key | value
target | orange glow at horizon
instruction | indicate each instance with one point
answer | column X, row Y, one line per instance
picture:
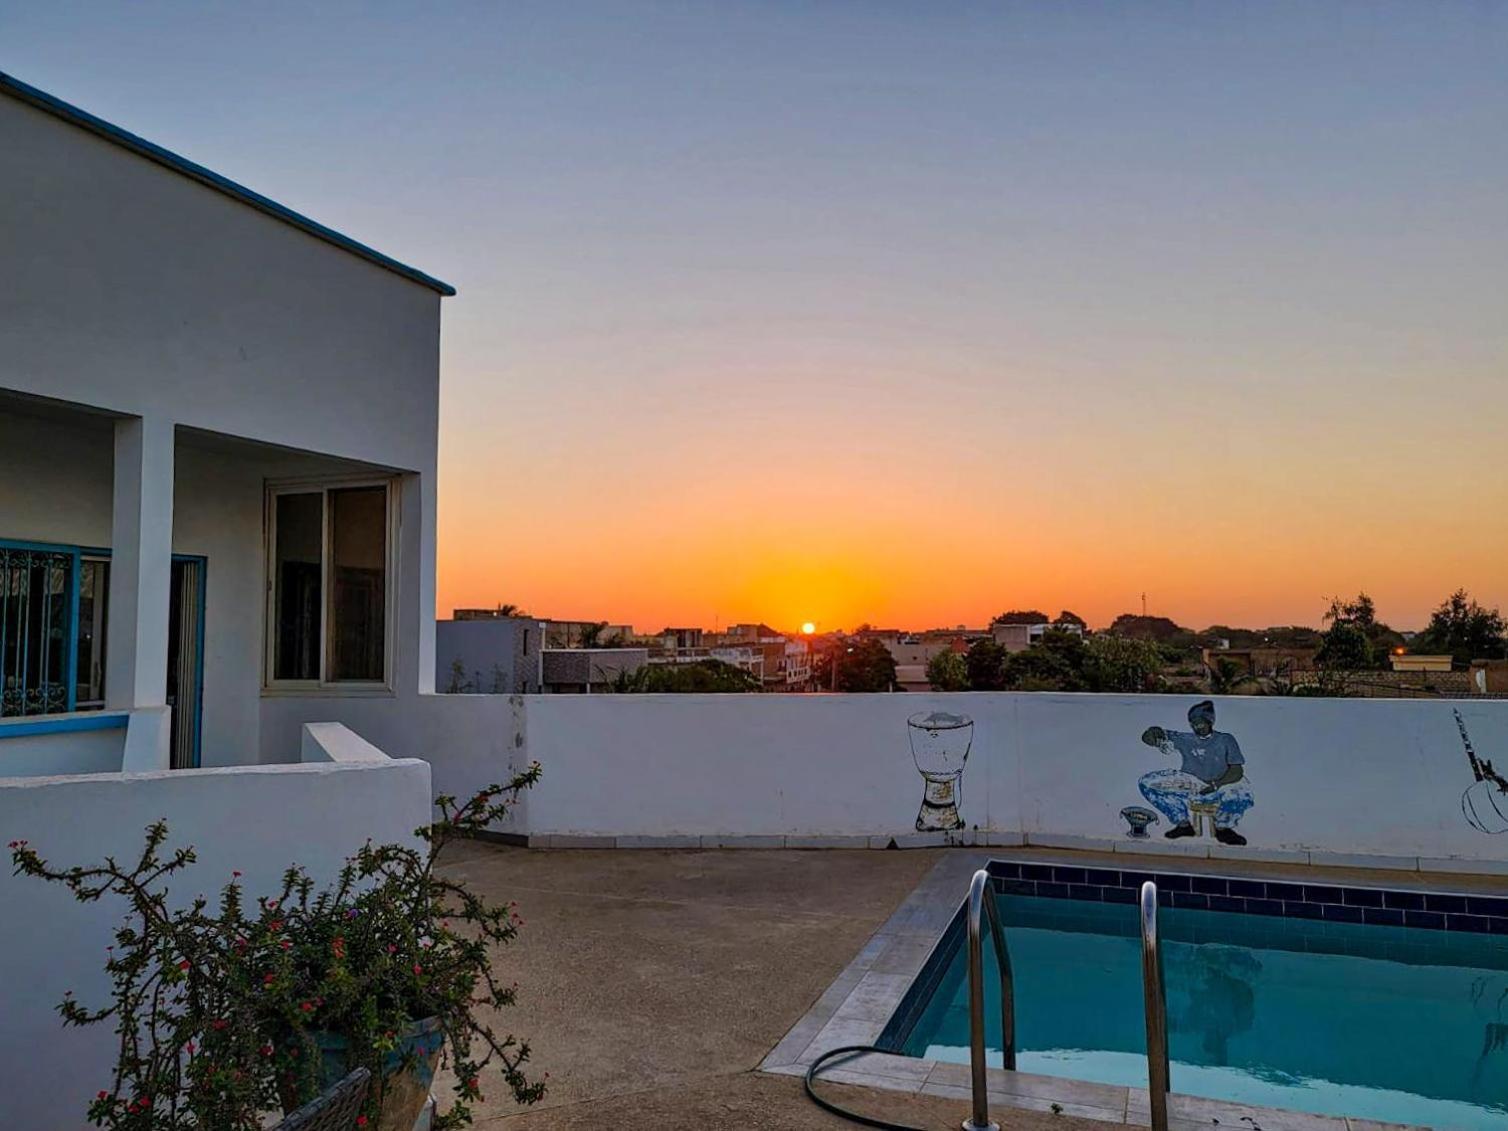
column 861, row 534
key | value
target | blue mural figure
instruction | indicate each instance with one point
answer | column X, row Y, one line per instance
column 1211, row 782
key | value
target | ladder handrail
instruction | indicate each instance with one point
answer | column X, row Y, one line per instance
column 981, row 906
column 1155, row 1004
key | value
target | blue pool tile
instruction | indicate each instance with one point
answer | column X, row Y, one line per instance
column 1208, row 885
column 1405, row 900
column 1447, row 903
column 1477, row 923
column 1104, row 877
column 1250, row 889
column 1336, row 913
column 1087, row 892
column 1362, row 897
column 1432, row 920
column 1263, row 906
column 1068, row 875
column 1383, row 916
column 1486, row 905
column 1005, row 870
column 1127, row 895
column 1498, row 925
column 1018, row 887
column 1188, row 900
column 1227, row 903
column 1302, row 909
column 1285, row 891
column 1036, row 871
column 1052, row 891
column 1318, row 893
column 1169, row 883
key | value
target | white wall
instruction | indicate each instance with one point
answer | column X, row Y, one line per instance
column 1375, row 777
column 256, row 820
column 132, row 288
column 53, row 753
column 470, row 740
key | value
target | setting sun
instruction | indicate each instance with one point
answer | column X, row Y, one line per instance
column 808, row 628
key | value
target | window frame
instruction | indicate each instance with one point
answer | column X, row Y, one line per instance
column 322, row 486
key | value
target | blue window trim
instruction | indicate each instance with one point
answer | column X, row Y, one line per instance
column 54, row 724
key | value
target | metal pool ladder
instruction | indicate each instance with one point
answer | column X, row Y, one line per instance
column 1155, row 1004
column 981, row 906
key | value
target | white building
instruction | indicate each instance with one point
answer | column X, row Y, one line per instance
column 217, row 452
column 217, row 490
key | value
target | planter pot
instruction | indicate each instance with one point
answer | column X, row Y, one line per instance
column 407, row 1071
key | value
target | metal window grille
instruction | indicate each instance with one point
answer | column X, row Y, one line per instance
column 35, row 628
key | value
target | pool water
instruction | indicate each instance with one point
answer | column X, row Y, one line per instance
column 1390, row 1023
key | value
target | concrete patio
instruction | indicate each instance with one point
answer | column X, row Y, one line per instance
column 653, row 983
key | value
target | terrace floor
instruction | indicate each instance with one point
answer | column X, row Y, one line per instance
column 652, row 983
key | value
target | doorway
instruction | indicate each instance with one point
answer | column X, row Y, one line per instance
column 186, row 658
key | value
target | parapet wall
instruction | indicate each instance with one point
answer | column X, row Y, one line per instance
column 1367, row 782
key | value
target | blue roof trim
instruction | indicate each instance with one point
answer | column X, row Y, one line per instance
column 13, row 86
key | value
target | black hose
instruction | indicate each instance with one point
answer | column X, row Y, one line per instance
column 843, row 1112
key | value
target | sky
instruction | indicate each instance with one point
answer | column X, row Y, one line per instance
column 906, row 313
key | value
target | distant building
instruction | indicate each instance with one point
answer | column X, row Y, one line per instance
column 786, row 661
column 745, row 657
column 1409, row 662
column 674, row 639
column 577, row 671
column 1020, row 637
column 496, row 655
column 1262, row 662
column 1489, row 677
column 574, row 633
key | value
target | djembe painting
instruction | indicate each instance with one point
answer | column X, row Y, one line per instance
column 940, row 744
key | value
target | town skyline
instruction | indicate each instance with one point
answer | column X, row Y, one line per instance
column 1057, row 615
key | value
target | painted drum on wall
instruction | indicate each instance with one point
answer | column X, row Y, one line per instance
column 940, row 742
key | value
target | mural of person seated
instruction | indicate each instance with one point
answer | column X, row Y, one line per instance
column 1212, row 775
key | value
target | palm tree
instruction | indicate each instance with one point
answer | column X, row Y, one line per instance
column 1226, row 676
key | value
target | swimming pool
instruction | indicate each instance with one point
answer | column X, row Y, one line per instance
column 1287, row 1007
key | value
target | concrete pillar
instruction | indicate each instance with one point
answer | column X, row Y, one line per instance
column 415, row 670
column 141, row 560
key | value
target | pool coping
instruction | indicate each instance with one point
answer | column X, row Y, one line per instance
column 860, row 1003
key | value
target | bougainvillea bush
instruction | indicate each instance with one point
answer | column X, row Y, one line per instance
column 222, row 1007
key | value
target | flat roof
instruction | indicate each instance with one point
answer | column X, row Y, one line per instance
column 40, row 99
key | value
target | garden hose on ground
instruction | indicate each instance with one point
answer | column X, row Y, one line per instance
column 843, row 1112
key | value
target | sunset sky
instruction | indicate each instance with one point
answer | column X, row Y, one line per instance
column 906, row 313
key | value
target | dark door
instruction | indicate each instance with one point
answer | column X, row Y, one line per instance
column 185, row 667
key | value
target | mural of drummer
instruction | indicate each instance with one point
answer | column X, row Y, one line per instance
column 1211, row 778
